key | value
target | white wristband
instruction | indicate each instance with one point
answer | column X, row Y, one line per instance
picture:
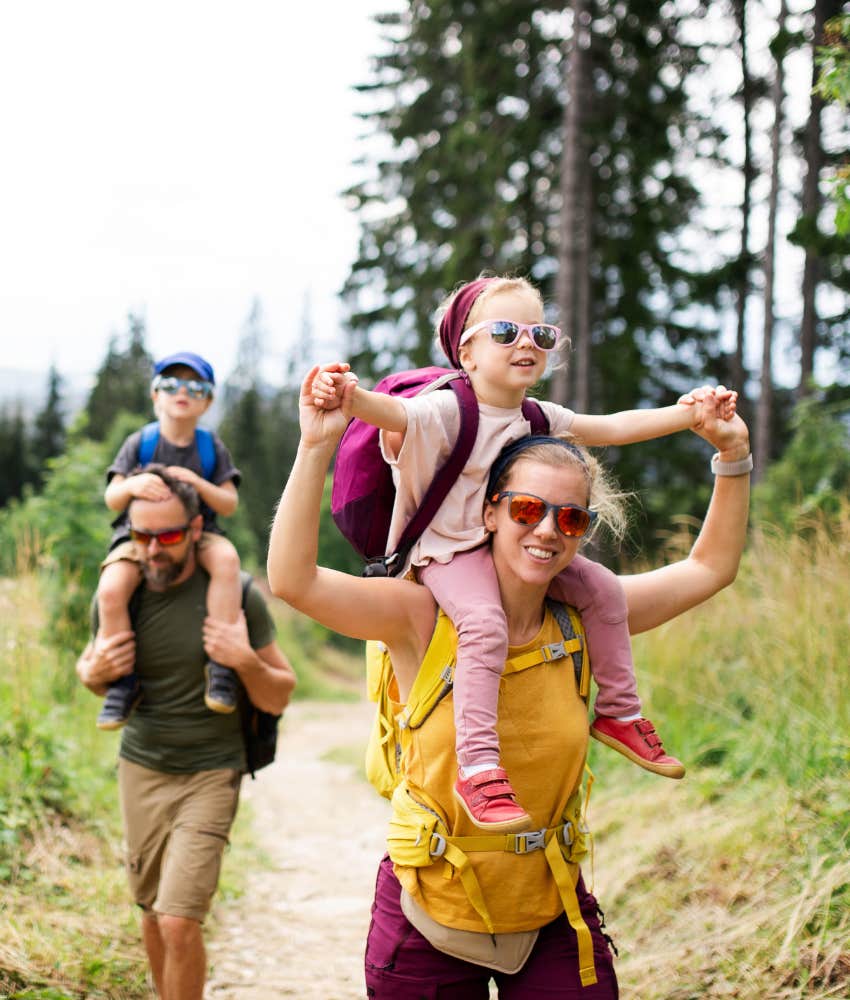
column 739, row 468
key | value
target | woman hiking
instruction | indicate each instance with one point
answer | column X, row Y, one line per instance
column 452, row 909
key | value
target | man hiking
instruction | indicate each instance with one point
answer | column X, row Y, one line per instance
column 180, row 765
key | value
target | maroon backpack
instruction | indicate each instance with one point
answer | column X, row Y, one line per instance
column 363, row 492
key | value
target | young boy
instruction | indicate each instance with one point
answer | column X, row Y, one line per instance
column 181, row 391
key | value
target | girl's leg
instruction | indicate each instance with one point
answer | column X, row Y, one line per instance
column 597, row 594
column 220, row 560
column 467, row 590
column 400, row 962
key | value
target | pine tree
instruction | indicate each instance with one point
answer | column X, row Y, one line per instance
column 122, row 381
column 48, row 438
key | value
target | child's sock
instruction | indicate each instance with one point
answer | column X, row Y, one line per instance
column 473, row 769
column 628, row 718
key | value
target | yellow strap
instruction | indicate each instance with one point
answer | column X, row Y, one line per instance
column 526, row 660
column 512, row 843
column 470, row 883
column 566, row 888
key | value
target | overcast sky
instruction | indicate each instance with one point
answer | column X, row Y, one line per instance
column 175, row 159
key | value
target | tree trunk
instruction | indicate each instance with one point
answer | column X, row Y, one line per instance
column 810, row 208
column 573, row 251
column 764, row 412
column 742, row 290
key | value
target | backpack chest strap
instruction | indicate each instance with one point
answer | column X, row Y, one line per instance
column 551, row 651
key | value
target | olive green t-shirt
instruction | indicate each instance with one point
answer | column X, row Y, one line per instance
column 171, row 729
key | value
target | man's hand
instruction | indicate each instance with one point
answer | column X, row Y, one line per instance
column 106, row 659
column 227, row 643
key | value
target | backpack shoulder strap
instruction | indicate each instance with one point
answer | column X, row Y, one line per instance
column 570, row 626
column 447, row 475
column 205, row 443
column 148, row 442
column 533, row 413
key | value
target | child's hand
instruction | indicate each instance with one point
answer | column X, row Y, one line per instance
column 147, row 486
column 185, row 475
column 723, row 401
column 329, row 383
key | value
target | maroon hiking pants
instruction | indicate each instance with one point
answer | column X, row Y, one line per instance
column 402, row 965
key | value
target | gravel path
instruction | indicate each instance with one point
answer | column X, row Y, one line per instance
column 300, row 928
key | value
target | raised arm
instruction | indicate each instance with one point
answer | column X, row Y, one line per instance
column 712, row 564
column 630, row 426
column 399, row 612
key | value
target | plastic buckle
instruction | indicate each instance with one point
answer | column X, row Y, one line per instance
column 567, row 835
column 440, row 849
column 553, row 651
column 533, row 840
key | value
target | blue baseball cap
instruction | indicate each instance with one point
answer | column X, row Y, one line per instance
column 190, row 360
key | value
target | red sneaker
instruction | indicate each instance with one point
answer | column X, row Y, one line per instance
column 637, row 740
column 489, row 801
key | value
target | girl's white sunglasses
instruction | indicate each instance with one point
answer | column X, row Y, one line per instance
column 505, row 333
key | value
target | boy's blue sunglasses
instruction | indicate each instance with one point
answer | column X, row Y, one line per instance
column 196, row 388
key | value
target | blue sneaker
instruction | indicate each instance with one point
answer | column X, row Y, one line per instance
column 222, row 689
column 121, row 698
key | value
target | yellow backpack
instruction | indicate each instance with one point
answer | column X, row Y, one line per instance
column 386, row 745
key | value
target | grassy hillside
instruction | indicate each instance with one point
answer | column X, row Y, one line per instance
column 732, row 883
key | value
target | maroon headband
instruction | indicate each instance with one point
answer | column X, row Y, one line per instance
column 452, row 324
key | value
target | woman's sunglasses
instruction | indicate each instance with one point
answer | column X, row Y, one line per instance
column 505, row 332
column 527, row 509
column 171, row 536
column 196, row 388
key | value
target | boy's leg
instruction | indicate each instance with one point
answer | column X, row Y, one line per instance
column 119, row 577
column 598, row 595
column 467, row 590
column 220, row 560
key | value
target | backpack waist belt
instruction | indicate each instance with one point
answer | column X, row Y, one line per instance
column 568, row 837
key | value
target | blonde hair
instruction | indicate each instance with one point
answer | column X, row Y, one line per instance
column 603, row 494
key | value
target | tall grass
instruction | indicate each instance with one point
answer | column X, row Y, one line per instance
column 755, row 681
column 736, row 881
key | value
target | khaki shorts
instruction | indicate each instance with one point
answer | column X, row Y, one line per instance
column 128, row 552
column 176, row 827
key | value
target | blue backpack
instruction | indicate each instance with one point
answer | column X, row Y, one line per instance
column 204, row 442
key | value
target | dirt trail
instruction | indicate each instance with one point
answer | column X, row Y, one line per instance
column 300, row 928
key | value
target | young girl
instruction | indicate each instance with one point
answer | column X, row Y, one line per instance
column 493, row 328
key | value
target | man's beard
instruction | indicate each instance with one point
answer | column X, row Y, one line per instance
column 160, row 575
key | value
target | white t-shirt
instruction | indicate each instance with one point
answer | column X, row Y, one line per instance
column 433, row 425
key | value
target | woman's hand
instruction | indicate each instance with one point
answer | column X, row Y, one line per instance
column 320, row 426
column 730, row 436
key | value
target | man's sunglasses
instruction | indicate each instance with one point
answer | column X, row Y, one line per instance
column 196, row 388
column 171, row 536
column 527, row 509
column 505, row 332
